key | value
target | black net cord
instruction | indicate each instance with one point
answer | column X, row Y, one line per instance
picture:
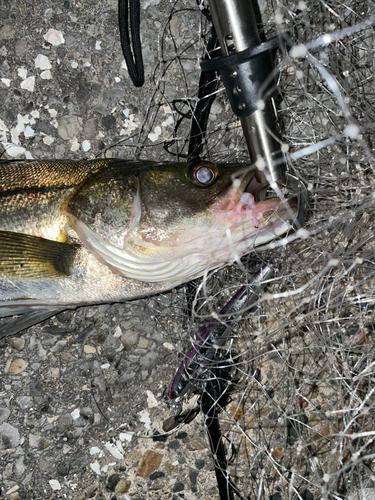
column 206, row 95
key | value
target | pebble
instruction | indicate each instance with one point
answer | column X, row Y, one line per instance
column 48, row 140
column 114, row 451
column 143, row 343
column 46, row 75
column 150, row 462
column 14, row 151
column 86, row 412
column 178, row 487
column 111, row 342
column 34, row 440
column 126, row 436
column 156, row 475
column 19, row 466
column 43, row 443
column 159, row 437
column 67, row 357
column 148, row 360
column 75, row 413
column 89, row 349
column 197, row 444
column 28, row 84
column 44, row 127
column 42, row 62
column 4, row 414
column 22, row 72
column 8, row 474
column 108, row 121
column 54, row 37
column 7, row 32
column 9, row 436
column 14, row 496
column 193, row 474
column 129, row 339
column 36, row 388
column 91, row 130
column 63, row 469
column 237, row 411
column 17, row 343
column 174, row 445
column 24, row 402
column 199, row 463
column 69, row 126
column 12, row 490
column 277, row 451
column 112, row 482
column 168, row 346
column 55, row 485
column 152, row 402
column 64, row 422
column 275, row 496
column 96, row 467
column 123, row 486
column 17, row 366
column 59, row 346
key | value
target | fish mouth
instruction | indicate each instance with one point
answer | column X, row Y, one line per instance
column 231, row 193
column 238, row 202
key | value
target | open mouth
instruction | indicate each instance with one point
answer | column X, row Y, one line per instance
column 252, row 199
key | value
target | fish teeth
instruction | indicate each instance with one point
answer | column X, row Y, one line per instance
column 246, row 204
column 248, row 199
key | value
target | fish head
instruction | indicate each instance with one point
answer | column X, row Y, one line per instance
column 178, row 220
column 181, row 200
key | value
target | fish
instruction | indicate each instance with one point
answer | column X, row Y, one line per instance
column 83, row 232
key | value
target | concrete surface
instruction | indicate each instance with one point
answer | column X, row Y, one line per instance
column 81, row 400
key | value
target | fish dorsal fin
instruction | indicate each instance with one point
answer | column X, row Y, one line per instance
column 46, row 173
column 23, row 256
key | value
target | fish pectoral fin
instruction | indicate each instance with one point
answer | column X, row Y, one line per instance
column 23, row 256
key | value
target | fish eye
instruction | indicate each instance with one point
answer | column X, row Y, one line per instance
column 202, row 174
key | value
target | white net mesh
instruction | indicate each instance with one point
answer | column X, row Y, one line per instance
column 301, row 420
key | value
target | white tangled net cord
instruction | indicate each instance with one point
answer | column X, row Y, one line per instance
column 301, row 423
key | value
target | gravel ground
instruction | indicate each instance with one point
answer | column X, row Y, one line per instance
column 81, row 395
column 81, row 406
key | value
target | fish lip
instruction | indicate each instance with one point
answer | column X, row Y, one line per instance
column 233, row 190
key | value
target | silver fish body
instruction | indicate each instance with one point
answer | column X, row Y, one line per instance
column 85, row 232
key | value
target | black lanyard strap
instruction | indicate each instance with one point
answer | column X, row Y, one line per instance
column 134, row 60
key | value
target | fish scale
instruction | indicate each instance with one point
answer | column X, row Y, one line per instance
column 18, row 175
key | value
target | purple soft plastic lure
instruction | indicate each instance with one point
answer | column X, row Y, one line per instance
column 214, row 336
